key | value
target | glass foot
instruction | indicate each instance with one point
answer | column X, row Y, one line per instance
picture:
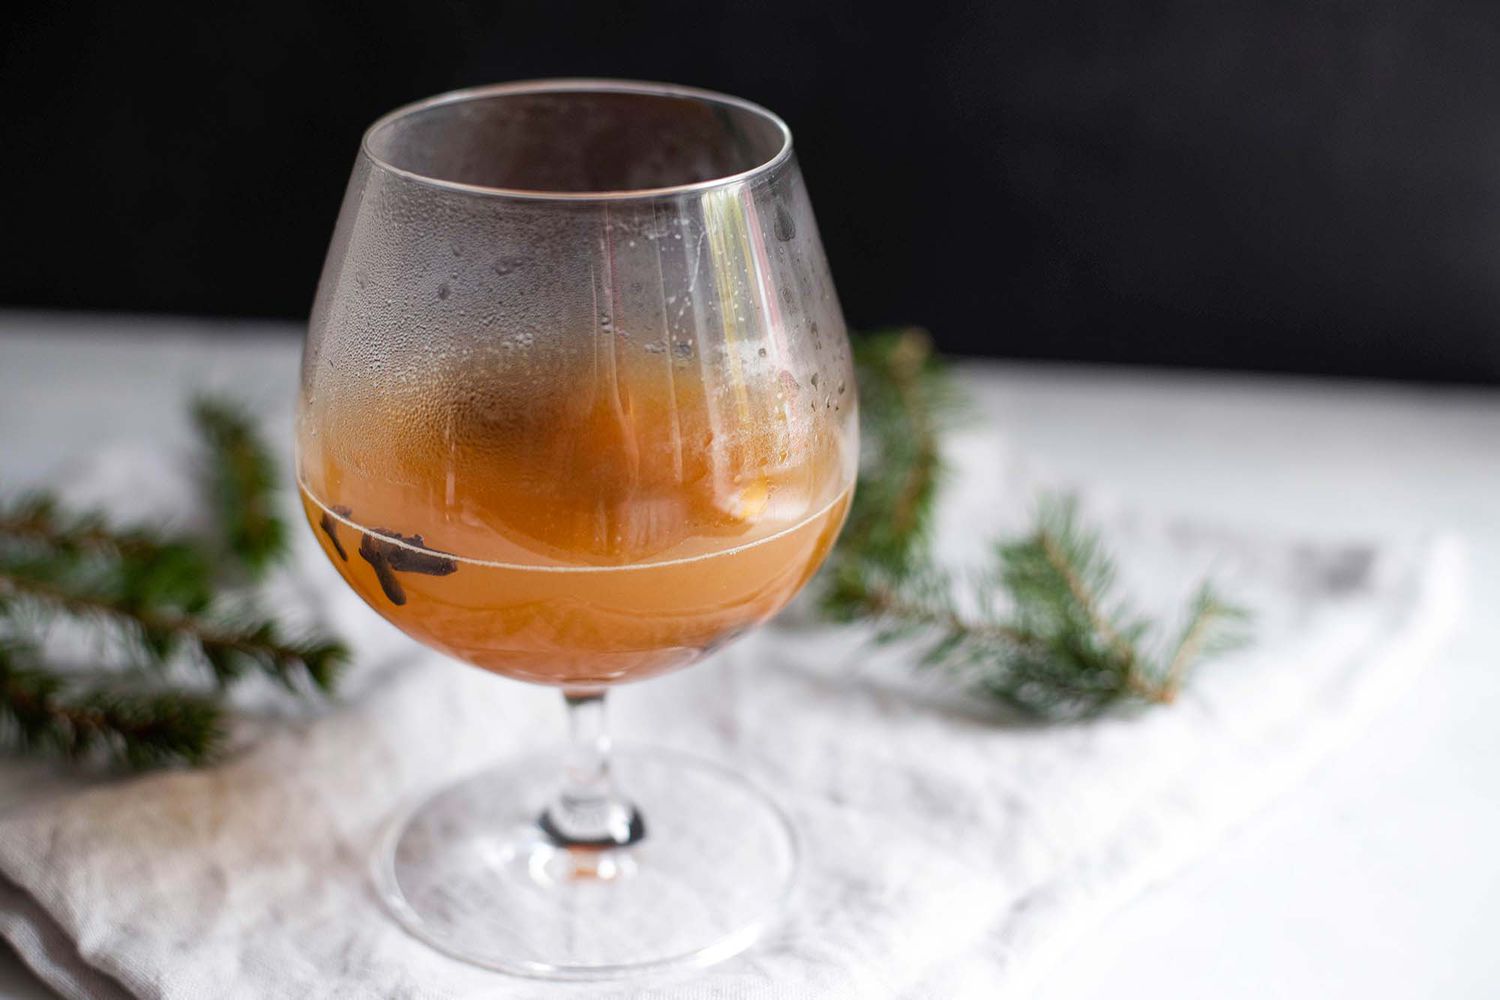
column 475, row 872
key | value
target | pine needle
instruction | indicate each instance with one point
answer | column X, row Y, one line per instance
column 229, row 647
column 241, row 484
column 158, row 600
column 906, row 401
column 44, row 712
column 1052, row 637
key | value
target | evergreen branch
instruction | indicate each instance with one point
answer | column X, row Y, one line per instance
column 905, row 400
column 228, row 649
column 1064, row 562
column 41, row 711
column 1059, row 577
column 1043, row 641
column 898, row 607
column 241, row 483
column 37, row 518
column 906, row 363
column 1051, row 637
column 159, row 598
column 1213, row 626
column 133, row 568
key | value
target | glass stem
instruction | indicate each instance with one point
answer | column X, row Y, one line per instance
column 588, row 812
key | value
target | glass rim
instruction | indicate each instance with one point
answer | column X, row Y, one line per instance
column 581, row 85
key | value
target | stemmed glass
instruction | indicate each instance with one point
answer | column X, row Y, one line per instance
column 577, row 408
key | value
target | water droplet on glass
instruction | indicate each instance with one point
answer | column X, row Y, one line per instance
column 784, row 226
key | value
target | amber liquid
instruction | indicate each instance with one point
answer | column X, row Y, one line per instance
column 576, row 537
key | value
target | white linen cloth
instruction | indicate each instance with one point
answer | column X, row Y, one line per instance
column 947, row 852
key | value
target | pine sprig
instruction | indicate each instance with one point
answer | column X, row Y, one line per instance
column 1212, row 626
column 43, row 712
column 155, row 634
column 38, row 517
column 906, row 401
column 158, row 600
column 133, row 567
column 241, row 482
column 257, row 644
column 1046, row 630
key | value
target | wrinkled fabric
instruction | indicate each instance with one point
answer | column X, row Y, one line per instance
column 948, row 851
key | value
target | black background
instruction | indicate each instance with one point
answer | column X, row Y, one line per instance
column 1309, row 186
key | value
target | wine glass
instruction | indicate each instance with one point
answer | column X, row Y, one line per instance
column 577, row 408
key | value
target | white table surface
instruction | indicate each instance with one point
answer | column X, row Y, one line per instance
column 1378, row 878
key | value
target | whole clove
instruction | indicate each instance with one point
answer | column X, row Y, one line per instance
column 386, row 557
